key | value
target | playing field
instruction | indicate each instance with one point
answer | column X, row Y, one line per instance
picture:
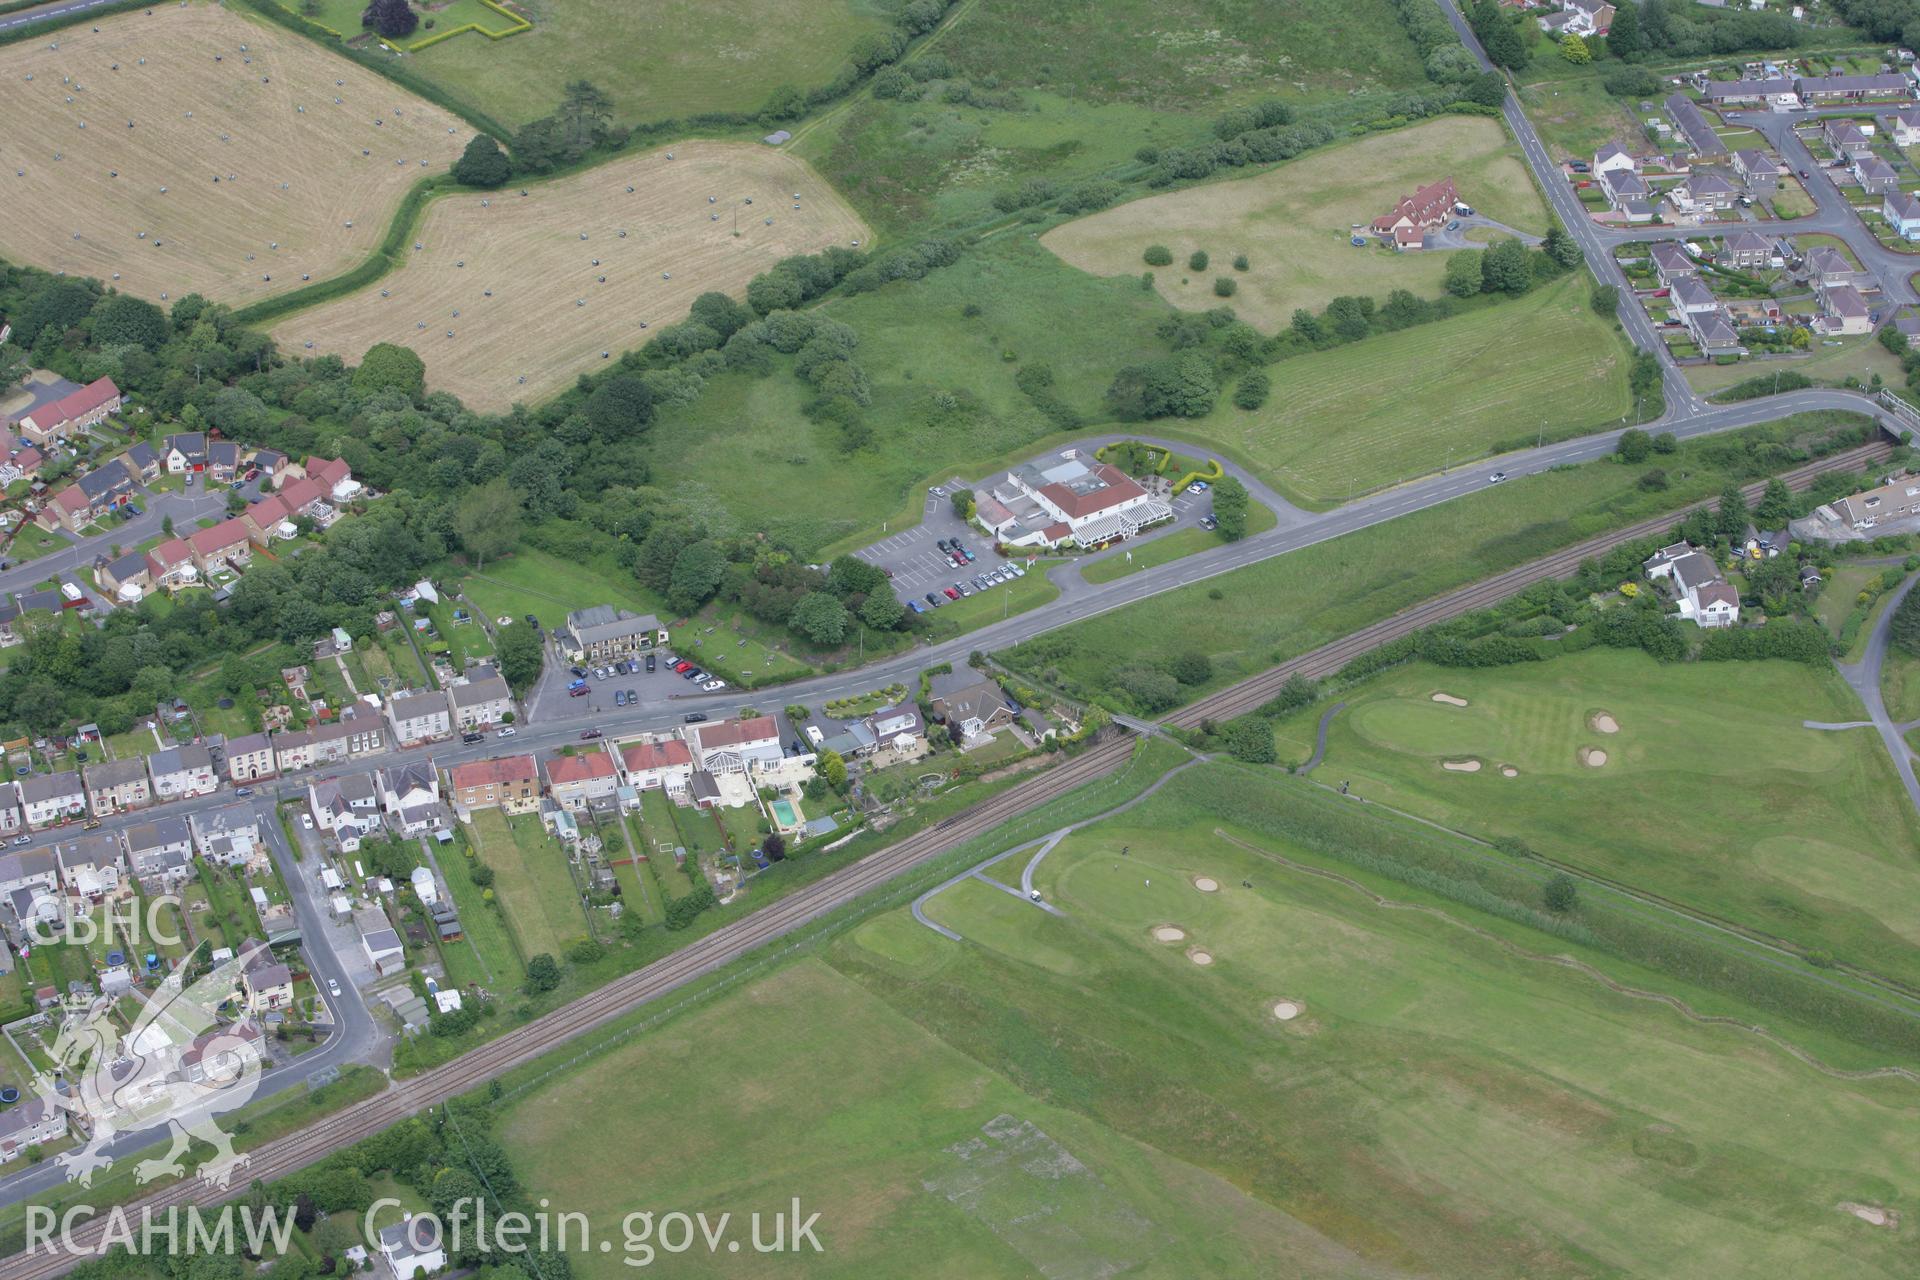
column 1403, row 405
column 237, row 145
column 1066, row 1095
column 1293, row 221
column 510, row 297
column 1800, row 833
column 657, row 61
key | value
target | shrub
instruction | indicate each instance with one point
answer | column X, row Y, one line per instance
column 1225, row 286
column 1197, row 260
column 1158, row 255
column 1252, row 390
column 1561, row 894
column 1634, row 445
column 1240, row 262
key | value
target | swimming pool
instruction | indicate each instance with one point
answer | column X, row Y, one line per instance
column 783, row 813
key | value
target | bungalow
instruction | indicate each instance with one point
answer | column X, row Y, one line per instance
column 481, row 697
column 160, row 853
column 1820, row 90
column 171, row 565
column 974, row 704
column 1846, row 310
column 1580, row 18
column 355, row 733
column 72, row 412
column 898, row 728
column 185, row 452
column 419, row 717
column 1826, row 265
column 1905, row 126
column 1702, row 593
column 1776, row 92
column 222, row 544
column 1902, row 212
column 1746, row 250
column 1427, row 207
column 1701, row 139
column 223, row 461
column 606, row 634
column 509, row 783
column 1703, row 192
column 141, row 459
column 729, row 746
column 127, row 577
column 1672, row 262
column 1760, row 171
column 1875, row 176
column 667, row 764
column 116, row 785
column 577, row 781
column 250, row 757
column 228, row 836
column 182, row 772
column 346, row 806
column 1846, row 140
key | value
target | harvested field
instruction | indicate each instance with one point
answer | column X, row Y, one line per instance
column 263, row 121
column 543, row 257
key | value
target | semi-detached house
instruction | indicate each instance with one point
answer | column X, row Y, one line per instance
column 181, row 772
column 579, row 780
column 509, row 783
column 667, row 764
column 482, row 698
column 223, row 544
column 419, row 717
column 116, row 785
column 47, row 798
column 160, row 852
column 250, row 757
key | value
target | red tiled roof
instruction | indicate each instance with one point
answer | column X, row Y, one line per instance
column 498, row 771
column 732, row 733
column 583, row 768
column 28, row 459
column 640, row 756
column 76, row 404
column 169, row 554
column 1120, row 488
column 70, row 499
column 301, row 494
column 1427, row 206
column 328, row 471
column 220, row 536
column 267, row 512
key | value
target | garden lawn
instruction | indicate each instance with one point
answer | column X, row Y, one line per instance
column 531, row 882
column 487, row 954
column 1859, row 358
column 1294, row 222
column 1274, row 610
column 1064, row 1090
column 1802, row 834
column 1392, row 408
column 656, row 832
column 32, row 542
column 1172, row 546
column 658, row 61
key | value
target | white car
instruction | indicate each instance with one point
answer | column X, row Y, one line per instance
column 713, row 686
column 1498, row 477
column 506, row 731
column 333, row 986
column 306, row 822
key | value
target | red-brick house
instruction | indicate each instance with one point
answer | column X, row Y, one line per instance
column 1428, row 207
column 225, row 542
column 76, row 410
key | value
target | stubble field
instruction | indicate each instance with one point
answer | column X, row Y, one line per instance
column 533, row 288
column 218, row 96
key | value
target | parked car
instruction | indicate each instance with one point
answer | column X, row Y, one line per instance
column 22, row 841
column 1198, row 486
column 713, row 686
column 589, row 735
column 650, row 663
column 950, row 593
column 619, row 697
column 1209, row 522
column 506, row 731
column 965, row 589
column 1454, row 225
column 91, row 824
column 694, row 717
column 579, row 692
column 306, row 822
column 932, row 599
column 243, row 792
column 814, row 735
column 916, row 606
column 333, row 986
column 579, row 671
column 967, row 552
column 683, row 666
column 471, row 738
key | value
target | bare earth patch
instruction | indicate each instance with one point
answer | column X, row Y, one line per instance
column 537, row 287
column 1592, row 757
column 1169, row 933
column 1200, row 956
column 1206, row 884
column 296, row 169
column 1287, row 1010
column 1602, row 722
column 1449, row 699
column 1460, row 766
column 1872, row 1215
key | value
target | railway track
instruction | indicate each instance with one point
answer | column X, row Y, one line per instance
column 704, row 955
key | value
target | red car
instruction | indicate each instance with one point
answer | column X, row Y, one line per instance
column 950, row 593
column 683, row 667
column 576, row 693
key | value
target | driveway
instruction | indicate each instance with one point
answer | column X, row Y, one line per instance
column 1863, row 677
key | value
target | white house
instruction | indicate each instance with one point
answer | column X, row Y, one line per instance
column 1906, row 126
column 1703, row 193
column 729, row 746
column 228, row 836
column 1063, row 499
column 1902, row 212
column 667, row 764
column 182, row 772
column 413, row 1247
column 47, row 798
column 160, row 852
column 1704, row 596
column 348, row 806
column 419, row 717
column 1613, row 157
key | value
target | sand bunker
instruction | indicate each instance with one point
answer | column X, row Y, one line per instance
column 1592, row 757
column 1871, row 1214
column 1461, row 766
column 1200, row 956
column 1206, row 884
column 1286, row 1010
column 1601, row 722
column 1508, row 771
column 1169, row 933
column 1449, row 699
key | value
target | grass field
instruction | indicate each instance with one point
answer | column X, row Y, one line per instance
column 1280, row 607
column 1802, row 834
column 1575, row 117
column 530, row 881
column 1064, row 1095
column 1185, row 54
column 1402, row 405
column 298, row 173
column 657, row 61
column 1294, row 220
column 1172, row 546
column 541, row 254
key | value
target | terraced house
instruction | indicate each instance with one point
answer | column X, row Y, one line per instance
column 605, row 634
column 160, row 853
column 355, row 733
column 576, row 782
column 76, row 411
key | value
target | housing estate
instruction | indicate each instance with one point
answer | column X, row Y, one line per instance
column 75, row 411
